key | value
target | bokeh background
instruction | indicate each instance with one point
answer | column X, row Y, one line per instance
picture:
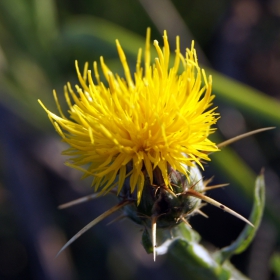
column 237, row 41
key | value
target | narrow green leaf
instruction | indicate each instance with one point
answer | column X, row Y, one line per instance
column 275, row 264
column 247, row 235
column 105, row 31
column 245, row 97
column 46, row 21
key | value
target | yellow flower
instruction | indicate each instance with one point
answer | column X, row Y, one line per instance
column 157, row 118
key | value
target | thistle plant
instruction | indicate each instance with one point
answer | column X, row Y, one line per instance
column 144, row 138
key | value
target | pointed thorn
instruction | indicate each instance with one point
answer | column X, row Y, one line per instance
column 78, row 201
column 186, row 222
column 192, row 187
column 214, row 187
column 93, row 223
column 201, row 213
column 119, row 218
column 206, row 182
column 241, row 136
column 154, row 229
column 217, row 204
column 168, row 190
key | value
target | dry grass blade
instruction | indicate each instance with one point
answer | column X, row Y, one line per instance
column 217, row 204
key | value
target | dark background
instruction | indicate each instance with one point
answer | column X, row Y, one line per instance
column 39, row 41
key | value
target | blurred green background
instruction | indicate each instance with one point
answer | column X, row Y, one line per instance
column 238, row 42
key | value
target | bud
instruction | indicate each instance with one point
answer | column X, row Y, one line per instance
column 169, row 206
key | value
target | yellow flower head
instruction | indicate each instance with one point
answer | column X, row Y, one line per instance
column 156, row 119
